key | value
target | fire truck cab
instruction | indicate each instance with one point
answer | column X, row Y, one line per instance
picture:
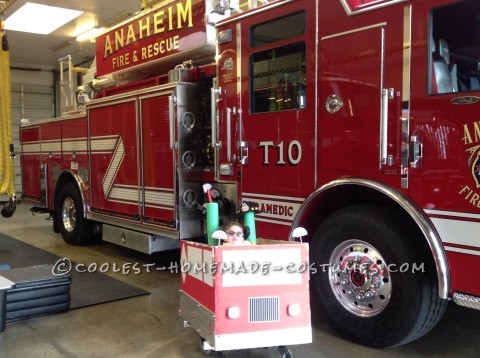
column 358, row 120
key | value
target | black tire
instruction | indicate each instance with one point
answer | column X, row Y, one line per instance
column 365, row 300
column 74, row 228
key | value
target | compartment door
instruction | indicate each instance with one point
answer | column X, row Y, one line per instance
column 31, row 177
column 350, row 100
column 158, row 159
column 114, row 160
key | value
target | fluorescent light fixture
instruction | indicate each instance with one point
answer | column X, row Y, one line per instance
column 40, row 19
column 84, row 27
column 90, row 34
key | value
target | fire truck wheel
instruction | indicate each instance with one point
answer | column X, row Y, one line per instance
column 74, row 228
column 375, row 281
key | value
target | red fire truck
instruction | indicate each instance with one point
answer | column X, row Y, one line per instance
column 354, row 119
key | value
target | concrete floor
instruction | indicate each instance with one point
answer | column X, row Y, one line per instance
column 149, row 326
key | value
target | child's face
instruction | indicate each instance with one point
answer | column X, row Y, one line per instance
column 235, row 235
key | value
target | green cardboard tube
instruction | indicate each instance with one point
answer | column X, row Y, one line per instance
column 249, row 220
column 212, row 222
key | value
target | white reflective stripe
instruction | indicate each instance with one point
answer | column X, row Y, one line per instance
column 77, row 145
column 275, row 208
column 31, row 148
column 457, row 214
column 458, row 232
column 277, row 197
column 462, row 251
column 51, row 146
column 124, row 194
column 113, row 167
column 284, row 223
column 159, row 198
column 104, row 143
column 270, row 338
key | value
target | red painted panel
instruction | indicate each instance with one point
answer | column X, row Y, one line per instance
column 74, row 128
column 192, row 285
column 464, row 272
column 158, row 165
column 30, row 160
column 30, row 134
column 217, row 295
column 114, row 158
column 288, row 292
column 51, row 131
column 51, row 148
column 31, row 176
column 447, row 179
column 74, row 142
column 281, row 148
column 350, row 136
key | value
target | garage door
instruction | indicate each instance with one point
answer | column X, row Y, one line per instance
column 32, row 102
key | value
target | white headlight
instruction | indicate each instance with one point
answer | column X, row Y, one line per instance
column 293, row 310
column 233, row 312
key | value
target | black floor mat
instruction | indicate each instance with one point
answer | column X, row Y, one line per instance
column 87, row 289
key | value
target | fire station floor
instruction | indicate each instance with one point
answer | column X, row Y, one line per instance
column 149, row 326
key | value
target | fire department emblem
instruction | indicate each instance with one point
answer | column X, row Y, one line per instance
column 474, row 163
column 475, row 166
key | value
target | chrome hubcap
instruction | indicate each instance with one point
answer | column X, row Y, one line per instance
column 359, row 278
column 68, row 214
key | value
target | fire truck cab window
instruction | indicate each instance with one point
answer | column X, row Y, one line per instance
column 278, row 79
column 455, row 48
column 279, row 29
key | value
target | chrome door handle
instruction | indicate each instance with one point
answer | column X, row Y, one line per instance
column 416, row 152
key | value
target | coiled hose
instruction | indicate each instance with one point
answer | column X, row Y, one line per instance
column 7, row 173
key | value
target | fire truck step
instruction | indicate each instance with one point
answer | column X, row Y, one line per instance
column 465, row 300
column 38, row 210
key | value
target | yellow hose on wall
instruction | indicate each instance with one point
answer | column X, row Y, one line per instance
column 7, row 173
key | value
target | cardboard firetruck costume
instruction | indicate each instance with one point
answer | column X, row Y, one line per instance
column 246, row 296
column 357, row 120
column 239, row 297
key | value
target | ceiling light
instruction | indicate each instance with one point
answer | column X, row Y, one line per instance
column 40, row 19
column 84, row 27
column 90, row 34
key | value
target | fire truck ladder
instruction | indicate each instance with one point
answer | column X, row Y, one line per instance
column 68, row 87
